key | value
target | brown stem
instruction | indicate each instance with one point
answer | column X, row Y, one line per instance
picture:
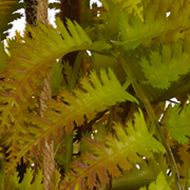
column 42, row 11
column 48, row 143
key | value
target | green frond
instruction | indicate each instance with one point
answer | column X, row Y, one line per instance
column 32, row 57
column 163, row 21
column 112, row 156
column 177, row 123
column 30, row 60
column 96, row 94
column 160, row 184
column 166, row 65
column 7, row 7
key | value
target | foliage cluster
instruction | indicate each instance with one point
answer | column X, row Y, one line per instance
column 106, row 113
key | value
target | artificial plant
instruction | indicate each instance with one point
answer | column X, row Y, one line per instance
column 88, row 104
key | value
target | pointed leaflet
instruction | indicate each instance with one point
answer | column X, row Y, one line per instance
column 96, row 94
column 112, row 156
column 7, row 7
column 177, row 122
column 160, row 184
column 157, row 26
column 165, row 65
column 31, row 59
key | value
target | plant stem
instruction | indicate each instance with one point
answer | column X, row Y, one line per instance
column 48, row 143
column 42, row 11
column 140, row 94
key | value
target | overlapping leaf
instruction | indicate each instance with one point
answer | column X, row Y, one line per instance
column 112, row 156
column 162, row 67
column 31, row 58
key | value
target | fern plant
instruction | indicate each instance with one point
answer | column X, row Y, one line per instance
column 89, row 104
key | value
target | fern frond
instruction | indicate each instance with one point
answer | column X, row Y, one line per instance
column 31, row 59
column 166, row 65
column 157, row 25
column 94, row 96
column 114, row 155
column 177, row 122
column 160, row 184
column 7, row 7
